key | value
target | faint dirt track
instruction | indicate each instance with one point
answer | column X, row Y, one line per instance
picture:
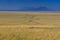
column 13, row 26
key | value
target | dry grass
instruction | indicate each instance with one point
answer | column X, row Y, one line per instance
column 34, row 18
column 29, row 26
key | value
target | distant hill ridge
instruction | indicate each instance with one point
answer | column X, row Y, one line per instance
column 30, row 9
column 36, row 9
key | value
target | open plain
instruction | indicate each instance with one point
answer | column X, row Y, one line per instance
column 29, row 26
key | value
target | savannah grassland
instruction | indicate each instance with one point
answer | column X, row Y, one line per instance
column 29, row 26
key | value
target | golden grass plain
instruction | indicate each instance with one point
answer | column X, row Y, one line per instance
column 29, row 26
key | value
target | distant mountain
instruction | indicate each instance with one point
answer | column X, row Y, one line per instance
column 40, row 9
column 36, row 9
column 31, row 9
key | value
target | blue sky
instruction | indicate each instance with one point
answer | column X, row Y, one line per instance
column 20, row 4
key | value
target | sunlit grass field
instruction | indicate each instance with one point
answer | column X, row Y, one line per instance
column 29, row 26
